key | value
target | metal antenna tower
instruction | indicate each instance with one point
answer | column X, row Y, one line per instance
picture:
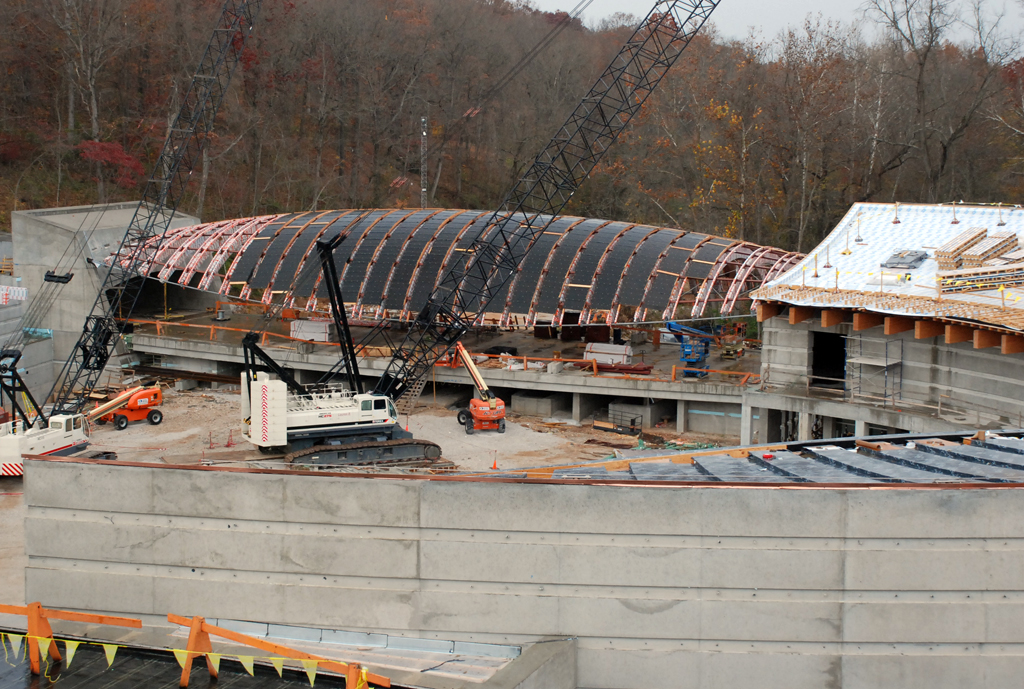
column 423, row 162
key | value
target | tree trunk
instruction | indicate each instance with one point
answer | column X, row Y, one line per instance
column 202, row 183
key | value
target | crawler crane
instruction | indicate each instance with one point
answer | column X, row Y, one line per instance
column 320, row 421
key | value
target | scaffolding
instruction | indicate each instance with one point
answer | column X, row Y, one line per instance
column 874, row 369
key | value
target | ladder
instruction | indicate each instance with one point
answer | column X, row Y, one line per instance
column 405, row 404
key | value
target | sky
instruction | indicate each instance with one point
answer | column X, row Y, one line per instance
column 733, row 18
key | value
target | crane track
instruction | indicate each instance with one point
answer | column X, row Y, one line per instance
column 298, row 454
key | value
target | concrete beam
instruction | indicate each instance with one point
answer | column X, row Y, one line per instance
column 831, row 317
column 768, row 310
column 681, row 409
column 898, row 324
column 958, row 333
column 865, row 320
column 1012, row 344
column 925, row 329
column 799, row 314
column 987, row 338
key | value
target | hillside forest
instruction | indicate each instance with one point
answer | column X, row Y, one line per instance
column 768, row 139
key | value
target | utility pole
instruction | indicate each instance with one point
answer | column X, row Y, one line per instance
column 423, row 162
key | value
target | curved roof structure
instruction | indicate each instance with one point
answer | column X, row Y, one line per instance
column 391, row 259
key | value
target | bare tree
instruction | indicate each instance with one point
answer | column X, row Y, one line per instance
column 95, row 33
column 950, row 85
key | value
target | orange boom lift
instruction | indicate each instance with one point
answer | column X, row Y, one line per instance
column 486, row 413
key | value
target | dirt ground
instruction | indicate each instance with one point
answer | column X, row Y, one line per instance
column 202, row 426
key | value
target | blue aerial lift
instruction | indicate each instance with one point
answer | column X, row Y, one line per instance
column 695, row 347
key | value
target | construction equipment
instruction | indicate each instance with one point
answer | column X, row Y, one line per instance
column 329, row 423
column 64, row 429
column 135, row 404
column 486, row 413
column 694, row 347
column 734, row 341
column 325, row 423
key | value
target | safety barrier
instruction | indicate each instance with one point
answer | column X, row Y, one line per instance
column 39, row 642
column 356, row 676
column 40, row 637
column 744, row 376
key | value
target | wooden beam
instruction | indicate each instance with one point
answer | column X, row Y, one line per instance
column 898, row 324
column 799, row 314
column 925, row 329
column 864, row 320
column 987, row 338
column 830, row 317
column 958, row 333
column 766, row 310
column 1012, row 344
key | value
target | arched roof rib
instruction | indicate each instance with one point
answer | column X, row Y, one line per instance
column 390, row 260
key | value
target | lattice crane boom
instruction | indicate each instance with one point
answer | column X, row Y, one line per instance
column 164, row 190
column 543, row 191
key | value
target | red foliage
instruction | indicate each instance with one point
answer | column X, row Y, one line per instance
column 14, row 149
column 126, row 168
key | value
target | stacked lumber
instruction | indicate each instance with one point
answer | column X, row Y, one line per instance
column 982, row 279
column 993, row 246
column 949, row 254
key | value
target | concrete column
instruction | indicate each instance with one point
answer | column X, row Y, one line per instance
column 746, row 425
column 681, row 409
column 804, row 425
column 860, row 429
column 583, row 405
column 828, row 427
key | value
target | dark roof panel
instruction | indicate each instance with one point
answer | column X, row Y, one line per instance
column 393, row 259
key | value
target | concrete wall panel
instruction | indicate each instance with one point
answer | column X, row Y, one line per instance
column 67, row 587
column 909, row 568
column 558, row 509
column 931, row 671
column 770, row 671
column 560, row 563
column 662, row 586
column 90, row 487
column 777, row 569
column 610, row 667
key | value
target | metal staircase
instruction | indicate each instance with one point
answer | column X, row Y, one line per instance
column 405, row 404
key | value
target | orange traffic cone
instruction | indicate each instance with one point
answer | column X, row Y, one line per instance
column 495, row 465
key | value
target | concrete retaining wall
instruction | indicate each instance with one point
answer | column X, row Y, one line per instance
column 665, row 587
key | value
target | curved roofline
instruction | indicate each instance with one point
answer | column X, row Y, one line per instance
column 254, row 259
